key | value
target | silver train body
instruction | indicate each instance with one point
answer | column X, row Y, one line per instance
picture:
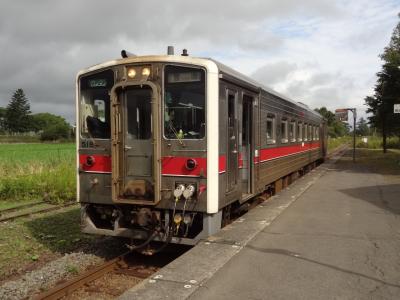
column 166, row 144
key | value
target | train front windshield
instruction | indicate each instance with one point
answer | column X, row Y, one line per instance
column 184, row 103
column 95, row 105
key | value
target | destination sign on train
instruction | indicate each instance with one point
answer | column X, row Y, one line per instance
column 184, row 77
column 97, row 83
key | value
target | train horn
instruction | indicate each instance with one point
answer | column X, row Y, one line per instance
column 126, row 54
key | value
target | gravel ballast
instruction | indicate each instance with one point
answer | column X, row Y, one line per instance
column 46, row 277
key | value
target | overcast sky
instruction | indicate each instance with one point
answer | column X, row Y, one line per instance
column 323, row 53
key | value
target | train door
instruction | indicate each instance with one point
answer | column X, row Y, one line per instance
column 232, row 149
column 245, row 156
column 134, row 167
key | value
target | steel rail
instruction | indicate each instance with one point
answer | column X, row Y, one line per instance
column 337, row 150
column 70, row 286
column 7, row 210
column 3, row 219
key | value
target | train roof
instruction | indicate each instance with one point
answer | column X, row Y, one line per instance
column 224, row 69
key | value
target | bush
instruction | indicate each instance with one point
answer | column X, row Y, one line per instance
column 375, row 142
column 55, row 132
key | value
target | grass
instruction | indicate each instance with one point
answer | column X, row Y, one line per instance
column 12, row 204
column 37, row 171
column 38, row 239
column 379, row 162
column 333, row 143
column 19, row 139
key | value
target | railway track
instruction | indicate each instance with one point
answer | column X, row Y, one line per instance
column 337, row 151
column 12, row 213
column 130, row 264
column 22, row 206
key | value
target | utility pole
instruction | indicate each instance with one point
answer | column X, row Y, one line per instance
column 354, row 111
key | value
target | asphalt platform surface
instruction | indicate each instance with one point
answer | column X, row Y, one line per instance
column 333, row 234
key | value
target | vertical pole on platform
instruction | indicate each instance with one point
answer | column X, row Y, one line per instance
column 354, row 133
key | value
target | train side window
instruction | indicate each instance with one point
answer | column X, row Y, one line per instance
column 310, row 133
column 313, row 132
column 284, row 131
column 305, row 132
column 271, row 129
column 317, row 133
column 292, row 131
column 299, row 132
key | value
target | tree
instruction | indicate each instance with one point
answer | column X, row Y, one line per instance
column 335, row 128
column 387, row 91
column 42, row 121
column 50, row 127
column 2, row 119
column 328, row 115
column 362, row 127
column 55, row 132
column 17, row 115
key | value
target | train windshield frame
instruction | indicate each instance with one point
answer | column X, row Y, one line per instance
column 184, row 103
column 95, row 104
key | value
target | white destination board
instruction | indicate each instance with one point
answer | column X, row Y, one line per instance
column 396, row 108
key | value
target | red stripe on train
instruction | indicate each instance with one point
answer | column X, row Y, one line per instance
column 273, row 153
column 176, row 166
column 101, row 163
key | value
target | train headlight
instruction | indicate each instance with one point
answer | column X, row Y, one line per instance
column 90, row 161
column 146, row 71
column 131, row 73
column 189, row 191
column 179, row 190
column 191, row 164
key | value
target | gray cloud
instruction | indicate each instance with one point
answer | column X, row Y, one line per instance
column 43, row 44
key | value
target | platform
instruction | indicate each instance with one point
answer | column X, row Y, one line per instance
column 333, row 234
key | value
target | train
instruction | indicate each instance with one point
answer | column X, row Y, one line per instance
column 169, row 145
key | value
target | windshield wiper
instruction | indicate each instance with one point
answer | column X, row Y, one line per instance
column 177, row 135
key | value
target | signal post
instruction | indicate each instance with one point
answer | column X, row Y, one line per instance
column 342, row 115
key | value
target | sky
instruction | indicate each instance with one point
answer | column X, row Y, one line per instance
column 319, row 52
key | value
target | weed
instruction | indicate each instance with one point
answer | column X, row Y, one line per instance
column 72, row 269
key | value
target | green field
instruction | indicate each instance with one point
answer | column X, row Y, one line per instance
column 37, row 171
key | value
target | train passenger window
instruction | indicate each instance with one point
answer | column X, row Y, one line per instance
column 284, row 131
column 317, row 133
column 310, row 133
column 95, row 105
column 292, row 131
column 184, row 103
column 299, row 132
column 305, row 132
column 271, row 139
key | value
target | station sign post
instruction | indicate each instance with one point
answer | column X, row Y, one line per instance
column 342, row 114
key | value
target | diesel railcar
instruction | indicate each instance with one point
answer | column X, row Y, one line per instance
column 168, row 144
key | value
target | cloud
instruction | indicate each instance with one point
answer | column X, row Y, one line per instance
column 312, row 50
